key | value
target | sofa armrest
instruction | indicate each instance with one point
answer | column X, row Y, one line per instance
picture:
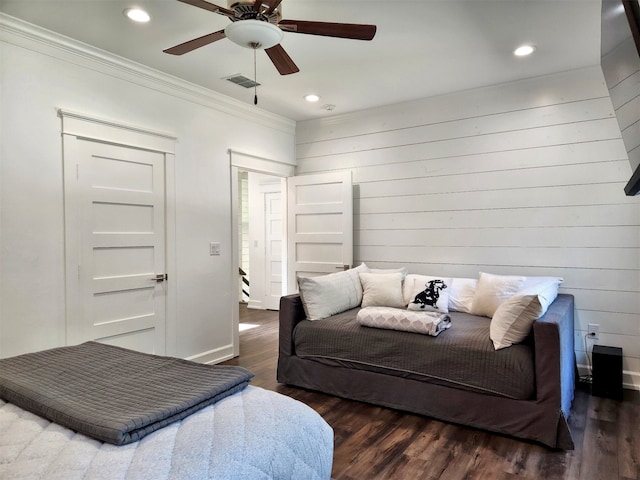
column 555, row 355
column 291, row 313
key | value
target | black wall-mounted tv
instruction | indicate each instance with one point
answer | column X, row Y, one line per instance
column 633, row 185
column 615, row 32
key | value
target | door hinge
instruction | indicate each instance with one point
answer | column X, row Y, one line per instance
column 160, row 277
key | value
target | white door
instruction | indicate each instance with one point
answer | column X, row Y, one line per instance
column 273, row 249
column 319, row 225
column 115, row 232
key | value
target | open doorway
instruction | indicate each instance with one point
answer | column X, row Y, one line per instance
column 267, row 272
column 316, row 224
column 260, row 240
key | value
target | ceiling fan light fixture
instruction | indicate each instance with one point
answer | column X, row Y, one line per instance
column 137, row 15
column 524, row 50
column 254, row 34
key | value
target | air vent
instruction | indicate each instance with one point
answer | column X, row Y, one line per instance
column 242, row 81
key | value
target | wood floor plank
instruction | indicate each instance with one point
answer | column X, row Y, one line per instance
column 600, row 448
column 577, row 424
column 629, row 442
column 376, row 443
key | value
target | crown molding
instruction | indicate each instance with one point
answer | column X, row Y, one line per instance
column 32, row 37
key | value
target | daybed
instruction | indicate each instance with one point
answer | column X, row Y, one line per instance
column 438, row 376
column 246, row 433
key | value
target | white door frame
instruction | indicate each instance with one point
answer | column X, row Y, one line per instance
column 252, row 163
column 117, row 133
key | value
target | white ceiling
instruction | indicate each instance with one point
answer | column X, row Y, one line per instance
column 422, row 47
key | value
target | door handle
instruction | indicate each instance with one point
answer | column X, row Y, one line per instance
column 160, row 277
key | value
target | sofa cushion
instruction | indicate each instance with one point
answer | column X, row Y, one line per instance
column 327, row 295
column 461, row 294
column 401, row 270
column 512, row 320
column 492, row 291
column 427, row 293
column 382, row 289
column 545, row 287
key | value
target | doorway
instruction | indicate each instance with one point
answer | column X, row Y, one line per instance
column 268, row 176
column 118, row 234
column 260, row 240
column 317, row 227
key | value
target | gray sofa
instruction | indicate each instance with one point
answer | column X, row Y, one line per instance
column 540, row 416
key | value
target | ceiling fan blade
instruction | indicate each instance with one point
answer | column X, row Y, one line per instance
column 281, row 60
column 195, row 43
column 210, row 6
column 342, row 30
column 273, row 4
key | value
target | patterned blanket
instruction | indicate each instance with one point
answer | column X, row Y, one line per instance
column 429, row 323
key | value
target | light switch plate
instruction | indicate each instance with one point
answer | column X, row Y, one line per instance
column 214, row 248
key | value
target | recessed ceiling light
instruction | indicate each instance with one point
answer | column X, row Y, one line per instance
column 137, row 15
column 311, row 97
column 524, row 50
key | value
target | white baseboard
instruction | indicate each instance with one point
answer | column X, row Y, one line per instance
column 213, row 356
column 630, row 380
column 257, row 304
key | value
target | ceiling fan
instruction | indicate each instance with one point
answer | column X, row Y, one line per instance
column 258, row 24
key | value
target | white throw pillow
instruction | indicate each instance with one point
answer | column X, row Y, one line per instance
column 327, row 295
column 461, row 294
column 428, row 293
column 492, row 291
column 545, row 287
column 381, row 289
column 401, row 270
column 512, row 321
column 408, row 289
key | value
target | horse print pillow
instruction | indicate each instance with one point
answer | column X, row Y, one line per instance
column 429, row 294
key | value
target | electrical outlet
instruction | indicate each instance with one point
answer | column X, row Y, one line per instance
column 214, row 248
column 593, row 330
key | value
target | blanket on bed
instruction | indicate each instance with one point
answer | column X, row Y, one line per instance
column 253, row 434
column 428, row 323
column 114, row 394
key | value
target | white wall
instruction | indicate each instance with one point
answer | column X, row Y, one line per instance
column 522, row 178
column 41, row 72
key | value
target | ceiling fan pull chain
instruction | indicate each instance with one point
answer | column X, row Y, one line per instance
column 255, row 79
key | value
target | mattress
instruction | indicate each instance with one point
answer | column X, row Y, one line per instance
column 253, row 434
column 462, row 356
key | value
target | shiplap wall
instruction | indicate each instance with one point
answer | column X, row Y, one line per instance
column 522, row 178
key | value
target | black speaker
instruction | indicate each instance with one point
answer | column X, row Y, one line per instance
column 607, row 372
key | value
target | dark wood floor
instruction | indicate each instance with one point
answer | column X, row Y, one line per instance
column 378, row 443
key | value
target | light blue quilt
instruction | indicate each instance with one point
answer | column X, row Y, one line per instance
column 253, row 434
